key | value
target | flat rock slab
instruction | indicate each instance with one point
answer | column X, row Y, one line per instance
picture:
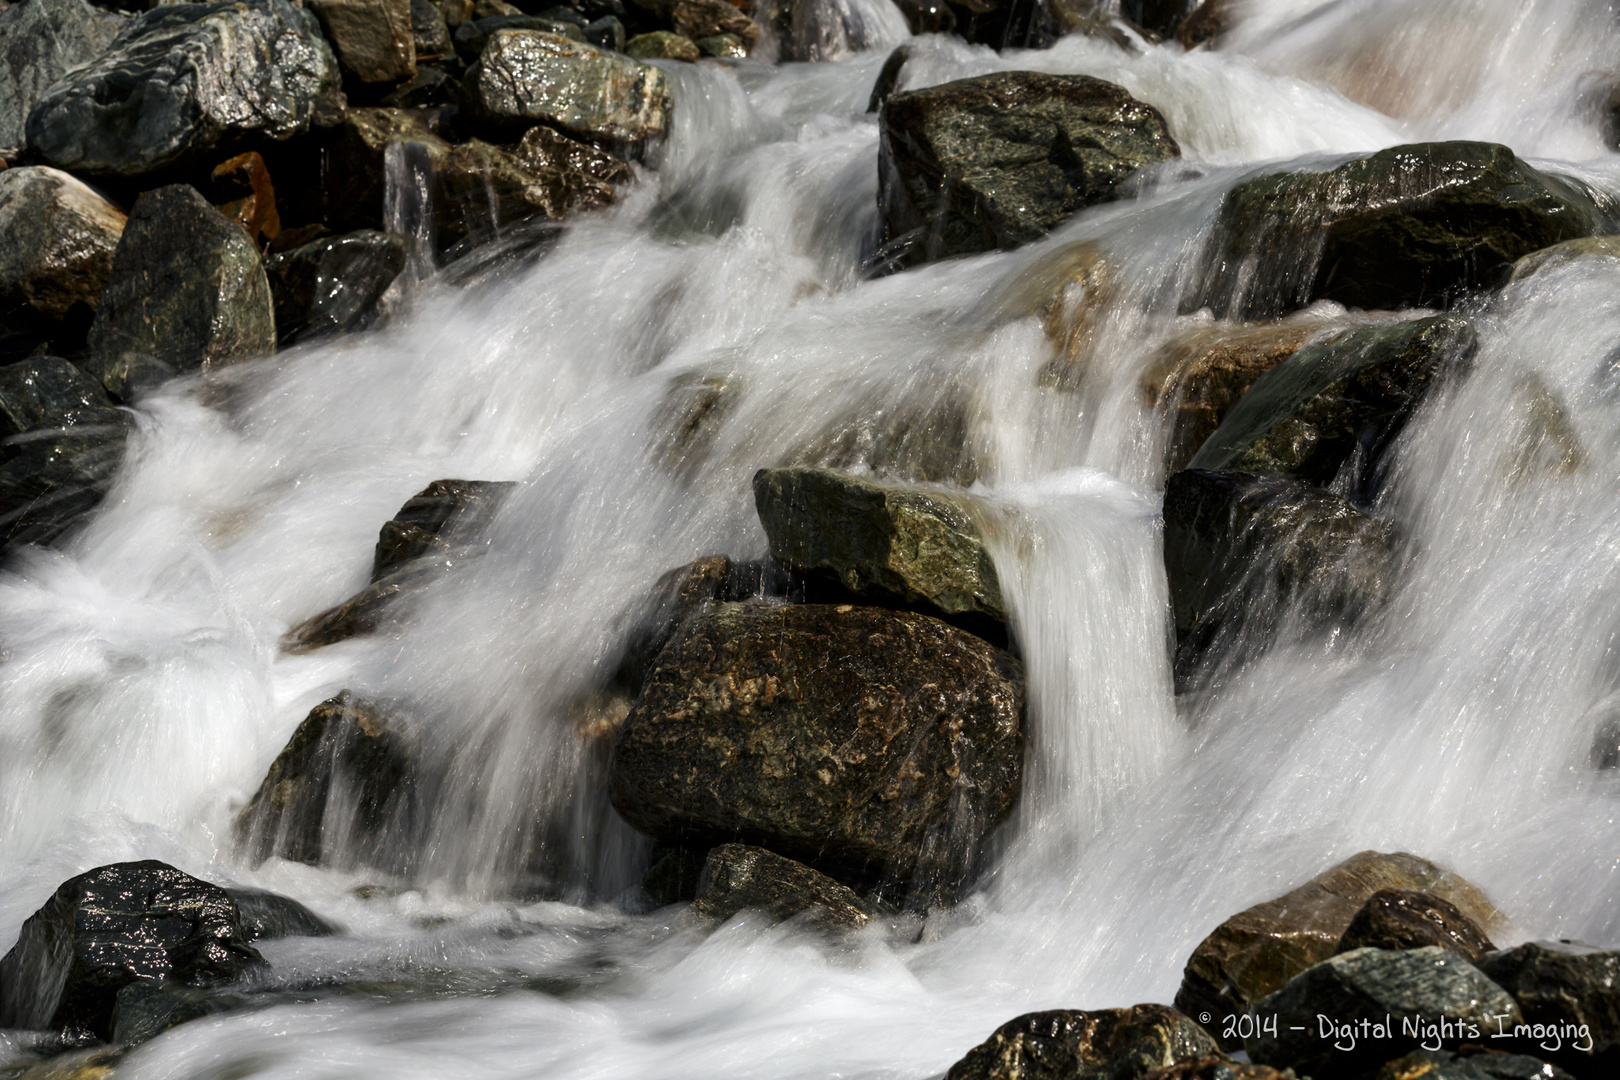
column 529, row 76
column 1067, row 1044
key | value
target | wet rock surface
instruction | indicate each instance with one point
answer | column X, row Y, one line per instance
column 1402, row 919
column 109, row 928
column 266, row 916
column 1564, row 983
column 663, row 45
column 333, row 284
column 702, row 19
column 40, row 41
column 737, row 877
column 374, row 40
column 894, row 759
column 999, row 160
column 1108, row 1044
column 527, row 76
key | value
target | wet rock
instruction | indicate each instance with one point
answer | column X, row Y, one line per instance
column 526, row 76
column 1568, row 251
column 472, row 37
column 243, row 192
column 186, row 82
column 1564, row 983
column 1339, row 402
column 672, row 873
column 678, row 595
column 926, row 437
column 606, row 33
column 1402, row 919
column 430, row 37
column 809, row 30
column 1412, row 226
column 430, row 87
column 723, row 47
column 888, row 79
column 1472, row 1064
column 1107, row 1044
column 144, row 1010
column 1258, row 950
column 1406, row 991
column 1208, row 23
column 113, row 926
column 861, row 740
column 578, row 175
column 699, row 19
column 1217, row 1067
column 914, row 546
column 663, row 45
column 266, row 916
column 737, row 877
column 187, row 287
column 345, row 776
column 332, row 284
column 40, row 41
column 128, row 376
column 999, row 160
column 375, row 40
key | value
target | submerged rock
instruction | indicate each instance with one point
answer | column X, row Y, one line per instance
column 1410, row 991
column 1563, row 983
column 145, row 1010
column 375, row 40
column 999, row 160
column 1064, row 1044
column 333, row 284
column 111, row 927
column 1568, row 251
column 858, row 739
column 185, row 81
column 1412, row 226
column 1402, row 919
column 887, row 543
column 828, row 30
column 736, row 877
column 187, row 287
column 526, row 76
column 1257, row 951
column 40, row 41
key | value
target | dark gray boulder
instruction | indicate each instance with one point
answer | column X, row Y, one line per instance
column 738, row 877
column 187, row 287
column 109, row 928
column 1564, row 984
column 999, row 160
column 40, row 41
column 1404, row 919
column 186, row 82
column 144, row 1010
column 866, row 742
column 526, row 77
column 266, row 916
column 332, row 284
column 1067, row 1044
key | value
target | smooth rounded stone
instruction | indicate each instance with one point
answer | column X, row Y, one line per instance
column 526, row 76
column 333, row 284
column 723, row 46
column 1345, row 397
column 1403, row 919
column 186, row 81
column 347, row 774
column 430, row 37
column 1564, row 985
column 1258, row 950
column 1412, row 226
column 242, row 191
column 663, row 45
column 999, row 160
column 113, row 926
column 57, row 238
column 1568, row 251
column 1217, row 1067
column 911, row 545
column 737, row 877
column 187, row 287
column 1067, row 1044
column 884, row 744
column 267, row 916
column 699, row 19
column 375, row 40
column 40, row 41
column 1474, row 1064
column 1409, row 991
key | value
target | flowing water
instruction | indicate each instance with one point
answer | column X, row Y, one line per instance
column 720, row 319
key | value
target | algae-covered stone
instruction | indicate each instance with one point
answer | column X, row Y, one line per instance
column 999, row 160
column 1564, row 983
column 736, row 877
column 1403, row 919
column 1066, row 1044
column 917, row 546
column 663, row 45
column 528, row 76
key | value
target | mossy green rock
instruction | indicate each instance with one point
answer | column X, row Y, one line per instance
column 1067, row 1044
column 885, row 543
column 999, row 160
column 738, row 877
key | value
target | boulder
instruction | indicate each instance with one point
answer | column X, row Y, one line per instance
column 736, row 877
column 144, row 1010
column 1402, row 919
column 1391, row 1000
column 866, row 742
column 1258, row 950
column 663, row 45
column 375, row 40
column 999, row 160
column 1412, row 226
column 111, row 927
column 1065, row 1044
column 347, row 774
column 923, row 438
column 266, row 916
column 908, row 545
column 1340, row 401
column 1472, row 1063
column 243, row 192
column 527, row 76
column 57, row 238
column 677, row 596
column 187, row 287
column 40, row 41
column 333, row 284
column 699, row 19
column 185, row 82
column 1564, row 985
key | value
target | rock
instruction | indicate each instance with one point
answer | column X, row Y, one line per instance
column 186, row 82
column 663, row 45
column 1568, row 251
column 585, row 177
column 267, row 916
column 1564, row 984
column 1411, row 993
column 526, row 76
column 678, row 595
column 1473, row 1064
column 1402, row 919
column 40, row 41
column 1258, row 950
column 1338, row 402
column 243, row 193
column 1065, row 1044
column 672, row 874
column 57, row 238
column 1412, row 226
column 144, row 1010
column 814, row 30
column 914, row 546
column 333, row 284
column 1208, row 23
column 472, row 37
column 430, row 37
column 430, row 87
column 347, row 774
column 113, row 926
column 375, row 40
column 187, row 287
column 999, row 160
column 606, row 33
column 888, row 79
column 926, row 437
column 895, row 759
column 47, row 392
column 1217, row 1067
column 129, row 376
column 737, row 877
column 699, row 19
column 723, row 46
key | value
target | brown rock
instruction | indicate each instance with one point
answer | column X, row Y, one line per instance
column 1402, row 919
column 243, row 193
column 374, row 39
column 1064, row 1044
